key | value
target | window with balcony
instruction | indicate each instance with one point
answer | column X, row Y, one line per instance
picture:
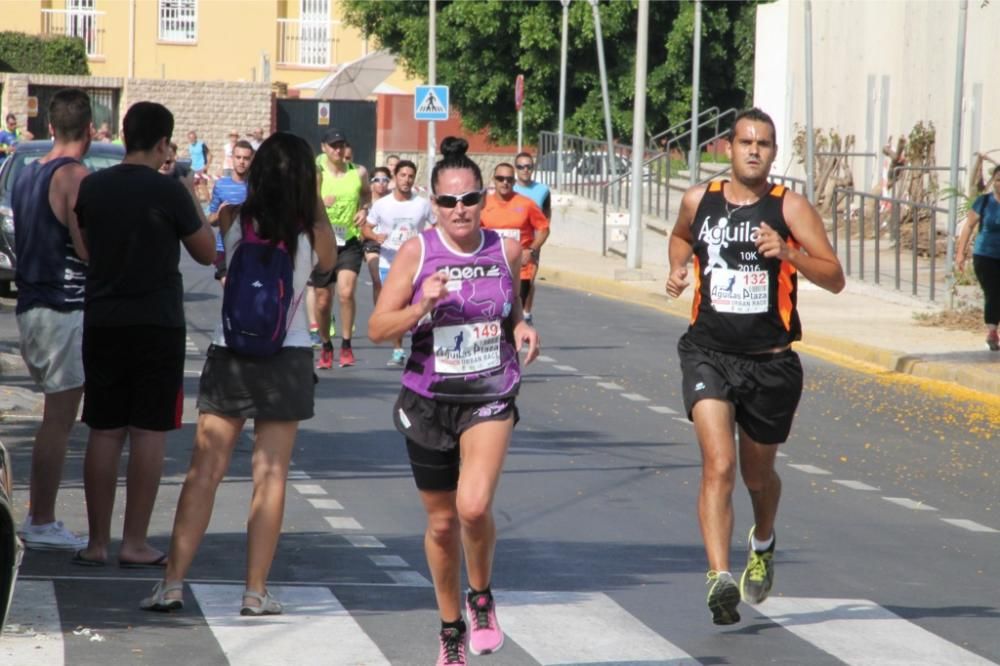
column 307, row 41
column 79, row 19
column 178, row 21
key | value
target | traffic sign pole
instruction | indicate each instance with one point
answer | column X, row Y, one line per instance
column 431, row 79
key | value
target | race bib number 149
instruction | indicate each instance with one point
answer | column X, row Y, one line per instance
column 467, row 348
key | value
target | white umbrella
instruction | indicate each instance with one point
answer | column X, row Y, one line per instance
column 359, row 78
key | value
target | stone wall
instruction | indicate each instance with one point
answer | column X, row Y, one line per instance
column 211, row 108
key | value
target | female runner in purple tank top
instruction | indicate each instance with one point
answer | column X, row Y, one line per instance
column 454, row 288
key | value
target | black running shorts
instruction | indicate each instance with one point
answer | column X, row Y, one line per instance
column 133, row 376
column 433, row 429
column 764, row 388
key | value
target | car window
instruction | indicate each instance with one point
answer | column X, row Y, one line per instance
column 20, row 160
column 590, row 165
column 98, row 162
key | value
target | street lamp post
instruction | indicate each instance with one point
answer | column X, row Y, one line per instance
column 694, row 157
column 612, row 161
column 956, row 140
column 638, row 138
column 431, row 80
column 562, row 91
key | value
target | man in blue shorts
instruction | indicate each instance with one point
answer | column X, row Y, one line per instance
column 229, row 191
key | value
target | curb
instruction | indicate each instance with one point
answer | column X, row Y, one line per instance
column 981, row 380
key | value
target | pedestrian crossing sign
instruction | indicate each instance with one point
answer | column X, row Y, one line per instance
column 430, row 103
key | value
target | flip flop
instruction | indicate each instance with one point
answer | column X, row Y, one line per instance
column 80, row 560
column 158, row 563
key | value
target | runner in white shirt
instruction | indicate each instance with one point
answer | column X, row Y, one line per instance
column 392, row 221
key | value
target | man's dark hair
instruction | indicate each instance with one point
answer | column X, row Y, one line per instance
column 755, row 115
column 243, row 143
column 70, row 115
column 381, row 170
column 405, row 163
column 524, row 154
column 453, row 151
column 145, row 124
column 10, row 116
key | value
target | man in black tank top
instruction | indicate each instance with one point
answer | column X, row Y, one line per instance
column 50, row 281
column 748, row 240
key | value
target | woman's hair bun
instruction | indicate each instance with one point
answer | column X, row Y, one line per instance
column 453, row 146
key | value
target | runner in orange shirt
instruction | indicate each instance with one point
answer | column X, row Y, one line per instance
column 516, row 216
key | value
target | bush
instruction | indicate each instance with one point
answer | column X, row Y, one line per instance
column 40, row 54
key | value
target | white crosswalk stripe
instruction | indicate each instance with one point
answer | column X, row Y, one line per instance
column 33, row 634
column 858, row 631
column 594, row 629
column 315, row 628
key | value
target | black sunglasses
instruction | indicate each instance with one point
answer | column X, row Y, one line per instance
column 452, row 200
column 523, row 167
column 504, row 179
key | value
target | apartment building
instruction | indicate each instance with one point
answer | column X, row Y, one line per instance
column 291, row 41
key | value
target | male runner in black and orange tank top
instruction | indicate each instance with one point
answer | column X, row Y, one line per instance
column 749, row 240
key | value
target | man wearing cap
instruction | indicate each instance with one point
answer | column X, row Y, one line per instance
column 347, row 196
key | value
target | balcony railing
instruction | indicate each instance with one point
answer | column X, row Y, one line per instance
column 305, row 42
column 86, row 24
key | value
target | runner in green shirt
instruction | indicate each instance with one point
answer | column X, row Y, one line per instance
column 346, row 195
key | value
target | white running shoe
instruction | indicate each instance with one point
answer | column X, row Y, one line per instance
column 53, row 536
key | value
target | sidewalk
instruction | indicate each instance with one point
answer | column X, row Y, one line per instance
column 864, row 323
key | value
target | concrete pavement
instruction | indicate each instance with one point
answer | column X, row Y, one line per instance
column 874, row 327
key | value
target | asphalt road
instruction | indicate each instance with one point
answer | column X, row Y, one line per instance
column 888, row 541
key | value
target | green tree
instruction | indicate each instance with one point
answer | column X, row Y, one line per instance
column 42, row 54
column 483, row 45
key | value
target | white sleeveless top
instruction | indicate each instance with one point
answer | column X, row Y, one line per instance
column 305, row 259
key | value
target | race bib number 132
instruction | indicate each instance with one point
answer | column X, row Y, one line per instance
column 739, row 292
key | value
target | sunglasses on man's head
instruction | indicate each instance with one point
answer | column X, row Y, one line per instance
column 504, row 179
column 452, row 200
column 380, row 179
column 523, row 167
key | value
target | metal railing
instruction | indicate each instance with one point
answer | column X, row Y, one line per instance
column 791, row 182
column 305, row 42
column 886, row 216
column 87, row 24
column 661, row 138
column 586, row 168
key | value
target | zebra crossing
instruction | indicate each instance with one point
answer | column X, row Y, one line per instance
column 593, row 630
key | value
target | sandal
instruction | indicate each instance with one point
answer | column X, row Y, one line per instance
column 267, row 605
column 158, row 601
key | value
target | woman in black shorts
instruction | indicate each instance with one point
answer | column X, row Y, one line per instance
column 275, row 391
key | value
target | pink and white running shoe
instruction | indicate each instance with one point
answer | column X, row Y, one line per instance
column 485, row 635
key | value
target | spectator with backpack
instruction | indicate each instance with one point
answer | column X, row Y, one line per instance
column 259, row 365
